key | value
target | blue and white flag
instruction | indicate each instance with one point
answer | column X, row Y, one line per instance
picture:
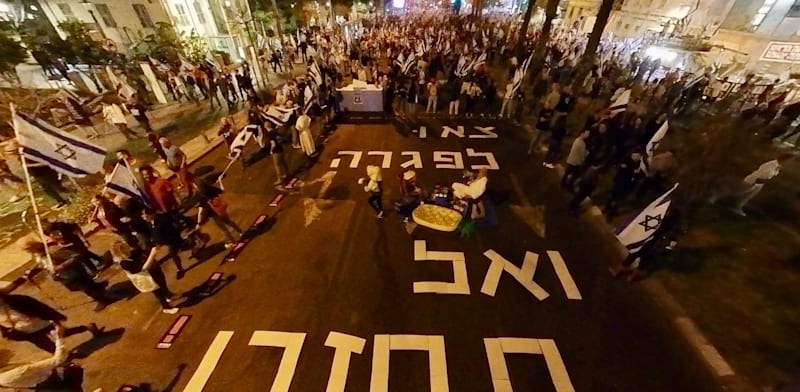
column 65, row 153
column 123, row 182
column 481, row 60
column 653, row 144
column 519, row 74
column 620, row 103
column 462, row 67
column 408, row 64
column 314, row 74
column 241, row 139
column 308, row 99
column 641, row 229
column 278, row 115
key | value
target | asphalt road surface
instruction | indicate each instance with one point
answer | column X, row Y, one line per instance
column 323, row 299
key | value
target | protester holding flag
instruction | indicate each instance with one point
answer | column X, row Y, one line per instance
column 628, row 174
column 112, row 217
column 177, row 162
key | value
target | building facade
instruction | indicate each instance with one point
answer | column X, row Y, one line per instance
column 762, row 35
column 120, row 22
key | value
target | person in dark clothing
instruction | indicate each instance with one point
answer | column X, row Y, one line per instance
column 70, row 236
column 70, row 272
column 26, row 319
column 628, row 174
column 556, row 138
column 139, row 112
column 542, row 127
column 165, row 231
column 137, row 261
column 48, row 180
column 111, row 216
column 586, row 186
column 213, row 207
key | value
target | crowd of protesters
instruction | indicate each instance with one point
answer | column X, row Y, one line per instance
column 606, row 142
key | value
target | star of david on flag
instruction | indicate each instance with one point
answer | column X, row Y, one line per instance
column 653, row 144
column 65, row 153
column 638, row 231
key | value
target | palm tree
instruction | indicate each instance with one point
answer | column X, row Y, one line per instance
column 544, row 35
column 590, row 52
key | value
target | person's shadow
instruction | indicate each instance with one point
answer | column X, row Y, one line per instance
column 148, row 387
column 86, row 348
column 205, row 290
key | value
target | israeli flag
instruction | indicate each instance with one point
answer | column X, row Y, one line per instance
column 123, row 182
column 278, row 116
column 314, row 74
column 653, row 144
column 410, row 61
column 65, row 153
column 241, row 139
column 641, row 229
column 621, row 103
column 519, row 74
column 308, row 99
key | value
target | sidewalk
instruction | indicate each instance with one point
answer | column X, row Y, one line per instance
column 190, row 116
column 16, row 260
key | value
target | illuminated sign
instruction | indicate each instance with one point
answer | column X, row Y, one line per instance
column 784, row 52
column 398, row 3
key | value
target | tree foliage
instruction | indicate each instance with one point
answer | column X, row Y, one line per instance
column 11, row 53
column 165, row 44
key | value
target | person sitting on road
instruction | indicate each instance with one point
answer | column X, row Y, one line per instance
column 49, row 374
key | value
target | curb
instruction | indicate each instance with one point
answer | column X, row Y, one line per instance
column 714, row 362
column 91, row 229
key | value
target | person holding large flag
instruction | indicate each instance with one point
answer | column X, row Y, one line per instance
column 642, row 234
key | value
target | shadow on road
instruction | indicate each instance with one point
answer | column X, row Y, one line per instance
column 148, row 387
column 88, row 347
column 206, row 289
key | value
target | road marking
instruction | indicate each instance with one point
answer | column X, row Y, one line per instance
column 292, row 343
column 211, row 283
column 173, row 332
column 496, row 348
column 345, row 345
column 555, row 364
column 292, row 182
column 276, row 200
column 244, row 239
column 423, row 132
column 523, row 275
column 209, row 362
column 460, row 284
column 386, row 162
column 563, row 275
column 437, row 360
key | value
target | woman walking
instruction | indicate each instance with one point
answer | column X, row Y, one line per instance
column 374, row 186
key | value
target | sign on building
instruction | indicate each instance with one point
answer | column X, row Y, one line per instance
column 784, row 52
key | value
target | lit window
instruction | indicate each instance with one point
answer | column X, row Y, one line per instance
column 762, row 13
column 182, row 18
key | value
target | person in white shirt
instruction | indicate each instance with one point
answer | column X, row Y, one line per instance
column 433, row 93
column 474, row 189
column 32, row 374
column 755, row 181
column 508, row 101
column 113, row 114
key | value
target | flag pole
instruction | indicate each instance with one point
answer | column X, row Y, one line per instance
column 48, row 259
